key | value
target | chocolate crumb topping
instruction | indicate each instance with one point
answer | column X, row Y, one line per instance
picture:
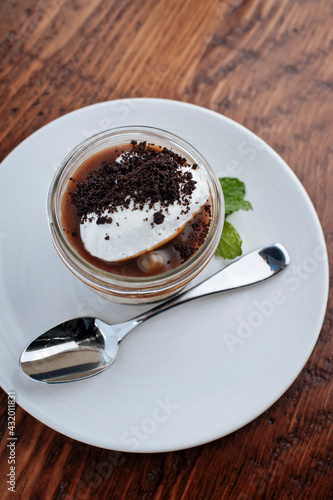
column 186, row 250
column 144, row 175
column 159, row 217
column 104, row 220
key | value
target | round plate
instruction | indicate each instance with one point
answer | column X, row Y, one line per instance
column 200, row 371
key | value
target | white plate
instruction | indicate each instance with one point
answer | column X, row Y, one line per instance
column 201, row 371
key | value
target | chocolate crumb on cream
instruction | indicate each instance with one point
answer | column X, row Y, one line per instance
column 159, row 217
column 144, row 176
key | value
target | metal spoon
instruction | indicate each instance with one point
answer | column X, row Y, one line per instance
column 83, row 347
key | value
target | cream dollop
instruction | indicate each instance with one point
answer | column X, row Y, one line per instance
column 130, row 232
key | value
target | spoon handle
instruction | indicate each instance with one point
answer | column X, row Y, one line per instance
column 252, row 268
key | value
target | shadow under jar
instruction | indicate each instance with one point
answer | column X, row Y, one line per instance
column 135, row 213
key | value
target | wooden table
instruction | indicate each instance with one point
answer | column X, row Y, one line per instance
column 266, row 64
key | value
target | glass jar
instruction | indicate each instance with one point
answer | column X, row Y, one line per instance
column 132, row 290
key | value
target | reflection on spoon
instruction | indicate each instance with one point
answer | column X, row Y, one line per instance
column 83, row 347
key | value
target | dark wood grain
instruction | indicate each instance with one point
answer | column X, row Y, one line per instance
column 268, row 65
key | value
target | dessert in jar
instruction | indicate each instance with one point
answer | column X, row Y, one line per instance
column 135, row 213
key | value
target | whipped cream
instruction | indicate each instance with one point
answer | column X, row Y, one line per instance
column 131, row 232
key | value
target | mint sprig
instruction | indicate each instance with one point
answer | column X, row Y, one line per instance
column 230, row 244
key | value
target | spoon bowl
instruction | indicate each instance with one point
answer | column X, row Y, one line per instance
column 83, row 347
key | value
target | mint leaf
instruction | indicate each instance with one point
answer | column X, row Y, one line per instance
column 234, row 193
column 232, row 186
column 230, row 244
column 235, row 203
